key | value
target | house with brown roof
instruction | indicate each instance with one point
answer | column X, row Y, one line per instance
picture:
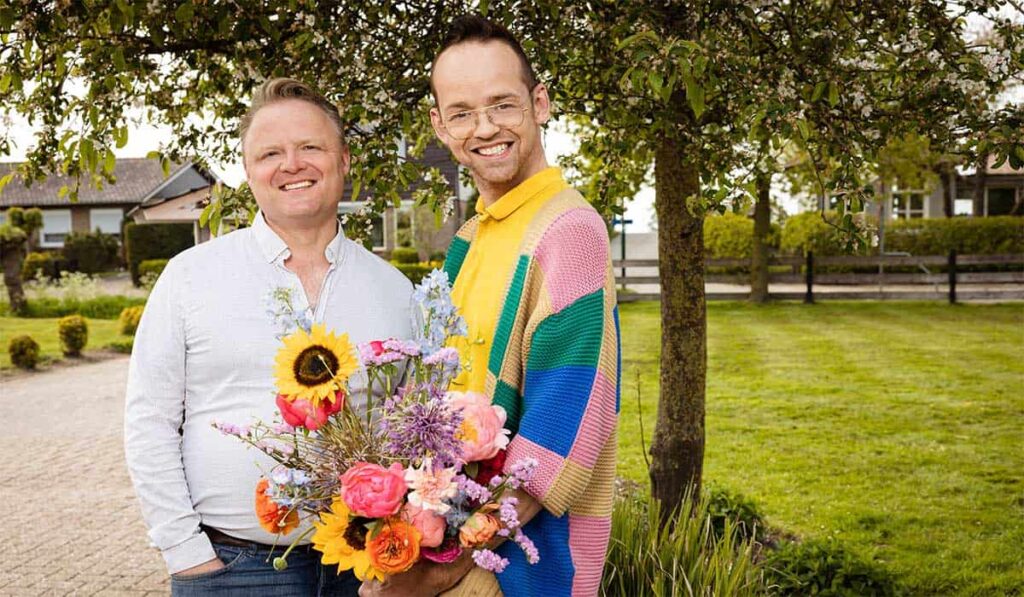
column 138, row 182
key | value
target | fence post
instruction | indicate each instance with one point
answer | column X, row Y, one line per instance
column 952, row 277
column 809, row 296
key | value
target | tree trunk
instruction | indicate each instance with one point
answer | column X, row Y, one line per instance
column 980, row 178
column 946, row 174
column 678, row 446
column 13, row 256
column 762, row 227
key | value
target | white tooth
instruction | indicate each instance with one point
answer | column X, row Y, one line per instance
column 298, row 185
column 494, row 150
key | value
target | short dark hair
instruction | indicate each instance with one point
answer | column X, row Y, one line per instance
column 473, row 27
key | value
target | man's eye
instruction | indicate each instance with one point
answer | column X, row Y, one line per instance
column 267, row 154
column 459, row 117
column 505, row 107
column 311, row 147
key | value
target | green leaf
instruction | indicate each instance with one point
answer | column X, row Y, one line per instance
column 109, row 161
column 819, row 90
column 5, row 82
column 656, row 82
column 636, row 37
column 121, row 136
column 695, row 95
column 805, row 132
column 119, row 58
column 183, row 14
column 833, row 93
column 357, row 185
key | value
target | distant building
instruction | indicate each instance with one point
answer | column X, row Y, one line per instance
column 139, row 188
column 1004, row 195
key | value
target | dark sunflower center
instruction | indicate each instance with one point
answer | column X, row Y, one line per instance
column 314, row 366
column 355, row 534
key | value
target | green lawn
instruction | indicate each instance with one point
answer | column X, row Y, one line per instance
column 896, row 427
column 44, row 331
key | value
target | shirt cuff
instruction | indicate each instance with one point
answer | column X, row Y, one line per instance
column 196, row 550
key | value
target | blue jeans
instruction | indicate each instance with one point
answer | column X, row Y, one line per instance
column 249, row 572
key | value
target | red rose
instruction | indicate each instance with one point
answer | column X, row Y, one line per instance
column 490, row 468
column 302, row 413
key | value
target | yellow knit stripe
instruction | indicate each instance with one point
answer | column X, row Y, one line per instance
column 597, row 497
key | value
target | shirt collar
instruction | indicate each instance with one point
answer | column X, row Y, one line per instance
column 542, row 184
column 274, row 248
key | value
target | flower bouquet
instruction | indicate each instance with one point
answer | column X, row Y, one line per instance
column 419, row 475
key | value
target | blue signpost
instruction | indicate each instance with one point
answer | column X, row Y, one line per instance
column 622, row 222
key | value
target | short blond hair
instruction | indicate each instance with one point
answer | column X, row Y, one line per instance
column 283, row 88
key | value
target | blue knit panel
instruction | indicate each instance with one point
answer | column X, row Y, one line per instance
column 553, row 406
column 552, row 575
column 618, row 361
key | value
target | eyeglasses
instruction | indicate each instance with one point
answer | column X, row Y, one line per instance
column 461, row 125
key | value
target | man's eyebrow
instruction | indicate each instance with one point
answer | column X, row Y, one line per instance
column 491, row 100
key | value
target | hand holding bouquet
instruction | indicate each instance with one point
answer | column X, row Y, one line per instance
column 419, row 475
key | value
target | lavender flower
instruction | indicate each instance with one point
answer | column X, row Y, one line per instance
column 521, row 472
column 507, row 512
column 488, row 560
column 526, row 544
column 473, row 490
column 232, row 429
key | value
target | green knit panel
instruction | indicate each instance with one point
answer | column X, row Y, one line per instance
column 456, row 255
column 499, row 346
column 570, row 337
column 507, row 397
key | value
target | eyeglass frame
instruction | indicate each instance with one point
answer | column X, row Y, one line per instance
column 476, row 118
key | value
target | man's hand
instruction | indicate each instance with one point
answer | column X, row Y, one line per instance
column 425, row 578
column 211, row 566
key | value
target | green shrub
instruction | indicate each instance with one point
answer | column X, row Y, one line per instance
column 90, row 252
column 24, row 352
column 36, row 262
column 154, row 241
column 405, row 255
column 129, row 320
column 437, row 256
column 122, row 346
column 152, row 268
column 731, row 235
column 809, row 232
column 101, row 307
column 727, row 507
column 413, row 271
column 825, row 567
column 973, row 236
column 683, row 557
column 74, row 334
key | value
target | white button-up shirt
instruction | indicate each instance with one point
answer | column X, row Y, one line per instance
column 204, row 352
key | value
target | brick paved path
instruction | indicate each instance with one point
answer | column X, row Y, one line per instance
column 70, row 524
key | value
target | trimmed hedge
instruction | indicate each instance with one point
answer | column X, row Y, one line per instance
column 808, row 232
column 91, row 252
column 732, row 235
column 24, row 352
column 101, row 307
column 153, row 267
column 414, row 271
column 74, row 334
column 405, row 255
column 154, row 241
column 968, row 236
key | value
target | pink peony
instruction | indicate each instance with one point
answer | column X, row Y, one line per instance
column 429, row 488
column 373, row 491
column 482, row 430
column 302, row 413
column 430, row 524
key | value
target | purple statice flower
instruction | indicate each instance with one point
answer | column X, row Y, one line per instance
column 521, row 472
column 408, row 348
column 526, row 544
column 507, row 512
column 282, row 428
column 232, row 429
column 417, row 430
column 270, row 446
column 473, row 490
column 376, row 353
column 488, row 560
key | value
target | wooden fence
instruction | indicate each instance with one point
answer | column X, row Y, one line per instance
column 923, row 284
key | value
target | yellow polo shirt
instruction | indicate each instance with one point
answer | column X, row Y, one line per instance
column 479, row 291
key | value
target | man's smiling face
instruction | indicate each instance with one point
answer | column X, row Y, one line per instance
column 295, row 163
column 474, row 75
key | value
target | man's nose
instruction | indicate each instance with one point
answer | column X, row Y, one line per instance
column 291, row 162
column 485, row 129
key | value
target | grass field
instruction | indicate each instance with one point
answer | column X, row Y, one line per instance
column 896, row 427
column 44, row 331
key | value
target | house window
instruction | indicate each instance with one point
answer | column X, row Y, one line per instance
column 907, row 205
column 1000, row 201
column 108, row 221
column 377, row 235
column 56, row 227
column 963, row 207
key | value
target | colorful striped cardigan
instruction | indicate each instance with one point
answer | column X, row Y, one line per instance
column 554, row 367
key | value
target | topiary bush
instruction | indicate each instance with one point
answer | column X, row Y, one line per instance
column 24, row 352
column 825, row 567
column 128, row 321
column 91, row 252
column 39, row 262
column 154, row 241
column 405, row 255
column 74, row 334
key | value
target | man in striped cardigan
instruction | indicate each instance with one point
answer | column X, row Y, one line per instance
column 532, row 276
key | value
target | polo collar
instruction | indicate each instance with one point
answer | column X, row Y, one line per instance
column 543, row 184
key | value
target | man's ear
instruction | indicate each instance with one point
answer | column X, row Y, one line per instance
column 439, row 130
column 541, row 104
column 346, row 160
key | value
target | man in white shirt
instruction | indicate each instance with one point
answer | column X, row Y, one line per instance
column 204, row 352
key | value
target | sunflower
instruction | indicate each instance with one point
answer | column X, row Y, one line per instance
column 342, row 540
column 313, row 365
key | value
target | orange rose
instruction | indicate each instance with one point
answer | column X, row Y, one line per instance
column 479, row 529
column 274, row 518
column 395, row 547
